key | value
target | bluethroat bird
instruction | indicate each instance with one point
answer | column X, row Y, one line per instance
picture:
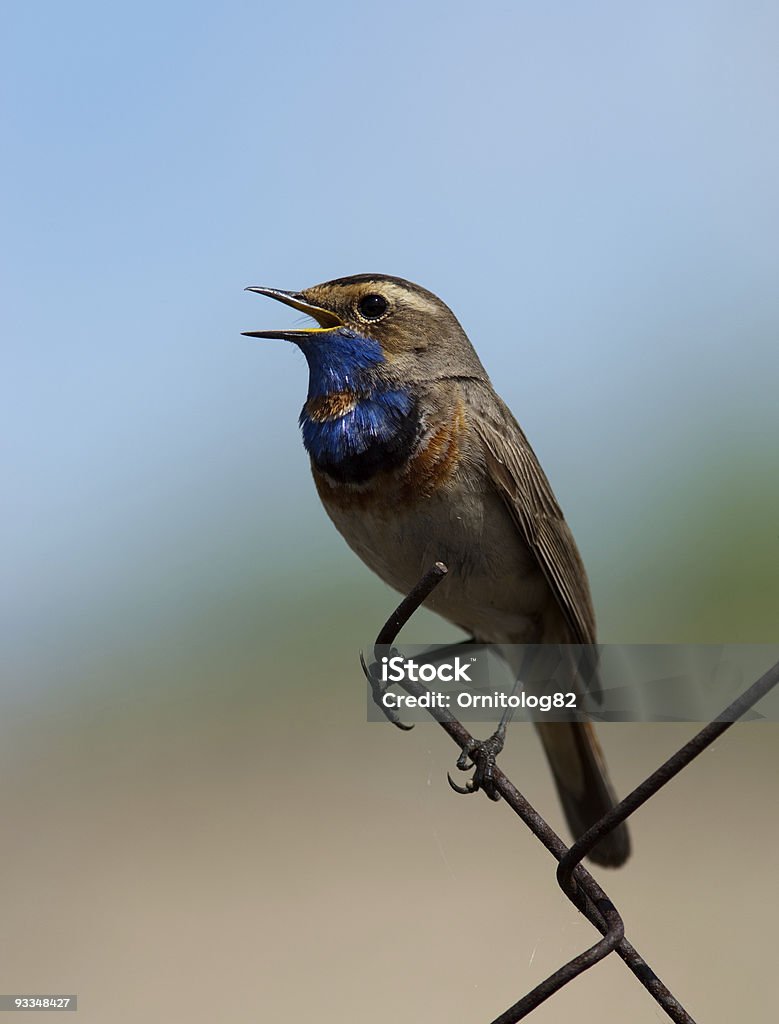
column 416, row 459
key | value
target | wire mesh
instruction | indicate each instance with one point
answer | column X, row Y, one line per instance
column 573, row 878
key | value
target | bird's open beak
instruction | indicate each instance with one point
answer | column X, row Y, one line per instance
column 326, row 320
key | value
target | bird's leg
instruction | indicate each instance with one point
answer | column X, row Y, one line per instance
column 482, row 756
column 378, row 689
column 390, row 630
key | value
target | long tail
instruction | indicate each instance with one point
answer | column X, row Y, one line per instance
column 582, row 781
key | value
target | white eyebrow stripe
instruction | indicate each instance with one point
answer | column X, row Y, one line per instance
column 406, row 297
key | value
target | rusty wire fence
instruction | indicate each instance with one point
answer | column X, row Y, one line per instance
column 573, row 878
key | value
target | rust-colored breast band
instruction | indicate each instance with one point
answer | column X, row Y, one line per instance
column 433, row 465
column 330, row 407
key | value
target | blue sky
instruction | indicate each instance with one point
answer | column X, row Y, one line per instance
column 592, row 188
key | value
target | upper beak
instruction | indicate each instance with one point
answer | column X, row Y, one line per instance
column 326, row 320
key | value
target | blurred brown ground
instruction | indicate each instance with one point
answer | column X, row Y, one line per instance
column 239, row 844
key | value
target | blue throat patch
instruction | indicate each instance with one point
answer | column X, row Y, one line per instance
column 337, row 361
column 381, row 429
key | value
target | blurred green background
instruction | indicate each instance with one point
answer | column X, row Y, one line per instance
column 198, row 822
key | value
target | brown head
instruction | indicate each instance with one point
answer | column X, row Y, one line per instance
column 420, row 337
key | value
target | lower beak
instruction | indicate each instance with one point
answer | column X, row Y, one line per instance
column 327, row 321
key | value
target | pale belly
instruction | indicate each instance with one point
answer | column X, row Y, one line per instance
column 494, row 589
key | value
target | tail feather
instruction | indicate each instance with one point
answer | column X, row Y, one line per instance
column 583, row 785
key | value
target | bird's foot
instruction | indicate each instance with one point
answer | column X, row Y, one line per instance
column 378, row 689
column 482, row 756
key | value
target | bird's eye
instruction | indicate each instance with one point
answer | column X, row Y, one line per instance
column 372, row 307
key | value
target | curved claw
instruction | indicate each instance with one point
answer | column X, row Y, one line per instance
column 376, row 688
column 481, row 757
column 365, row 668
column 464, row 762
column 392, row 717
column 465, row 790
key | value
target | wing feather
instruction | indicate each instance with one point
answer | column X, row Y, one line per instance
column 516, row 474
